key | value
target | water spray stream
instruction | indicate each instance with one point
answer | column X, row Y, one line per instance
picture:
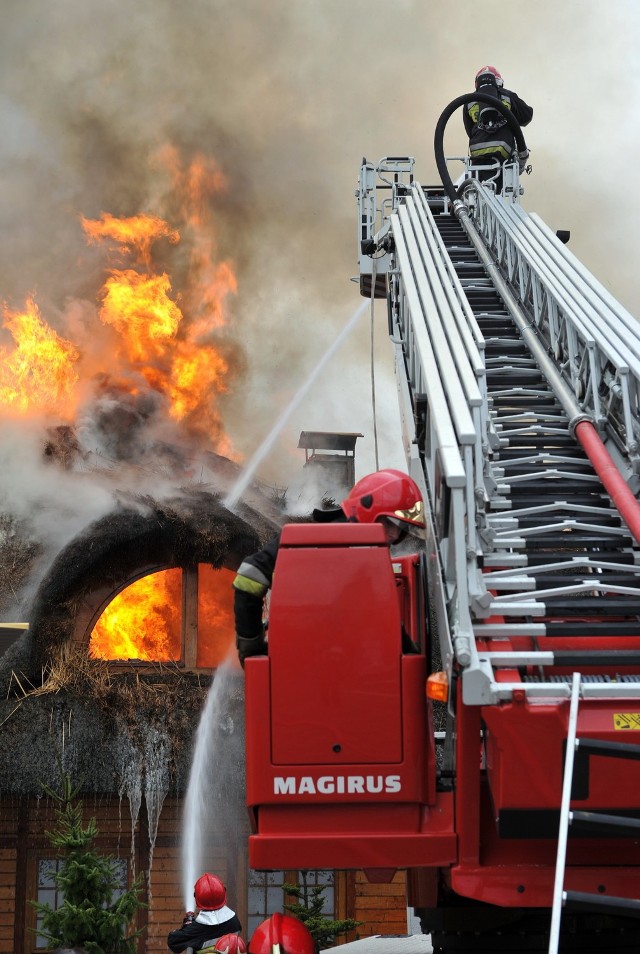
column 263, row 450
column 198, row 805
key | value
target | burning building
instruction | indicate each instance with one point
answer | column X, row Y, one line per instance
column 117, row 547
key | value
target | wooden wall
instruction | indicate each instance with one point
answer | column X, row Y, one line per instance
column 382, row 907
column 7, row 898
column 24, row 821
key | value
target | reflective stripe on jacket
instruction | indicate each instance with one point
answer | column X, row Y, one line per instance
column 494, row 139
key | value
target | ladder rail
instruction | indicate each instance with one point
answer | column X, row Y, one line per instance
column 593, row 338
column 457, row 441
column 563, row 830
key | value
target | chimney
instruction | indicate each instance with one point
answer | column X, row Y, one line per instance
column 334, row 452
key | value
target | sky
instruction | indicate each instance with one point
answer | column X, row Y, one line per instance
column 287, row 97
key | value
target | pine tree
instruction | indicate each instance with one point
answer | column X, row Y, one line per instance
column 308, row 908
column 89, row 917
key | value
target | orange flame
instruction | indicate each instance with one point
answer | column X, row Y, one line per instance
column 216, row 625
column 39, row 372
column 140, row 310
column 138, row 232
column 142, row 622
column 170, row 347
column 195, row 372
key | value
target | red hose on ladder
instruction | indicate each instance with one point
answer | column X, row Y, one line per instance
column 615, row 484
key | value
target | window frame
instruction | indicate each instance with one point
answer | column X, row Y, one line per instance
column 339, row 886
column 101, row 597
column 35, row 856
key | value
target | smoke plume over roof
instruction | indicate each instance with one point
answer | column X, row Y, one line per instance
column 285, row 98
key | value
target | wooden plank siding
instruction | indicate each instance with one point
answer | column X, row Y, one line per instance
column 8, row 859
column 23, row 841
column 382, row 907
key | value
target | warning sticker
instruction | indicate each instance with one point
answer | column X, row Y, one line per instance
column 626, row 720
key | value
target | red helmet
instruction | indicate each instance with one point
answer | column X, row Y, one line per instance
column 230, row 944
column 492, row 71
column 386, row 493
column 281, row 934
column 210, row 893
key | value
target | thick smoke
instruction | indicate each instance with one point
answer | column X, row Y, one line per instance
column 287, row 97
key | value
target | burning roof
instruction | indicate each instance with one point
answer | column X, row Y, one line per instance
column 114, row 461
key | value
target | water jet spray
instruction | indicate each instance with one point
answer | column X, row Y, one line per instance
column 263, row 450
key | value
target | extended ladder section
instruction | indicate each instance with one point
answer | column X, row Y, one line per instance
column 505, row 345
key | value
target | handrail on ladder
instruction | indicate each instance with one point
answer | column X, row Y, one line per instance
column 558, row 887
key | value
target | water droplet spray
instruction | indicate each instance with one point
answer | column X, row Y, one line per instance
column 216, row 793
column 263, row 450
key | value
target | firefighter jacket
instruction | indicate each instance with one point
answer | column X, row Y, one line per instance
column 252, row 581
column 487, row 129
column 254, row 578
column 208, row 926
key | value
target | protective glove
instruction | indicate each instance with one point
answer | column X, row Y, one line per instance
column 522, row 160
column 257, row 646
column 189, row 918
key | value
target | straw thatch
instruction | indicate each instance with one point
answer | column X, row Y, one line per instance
column 142, row 532
column 127, row 730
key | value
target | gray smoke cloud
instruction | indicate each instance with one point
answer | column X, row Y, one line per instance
column 287, row 97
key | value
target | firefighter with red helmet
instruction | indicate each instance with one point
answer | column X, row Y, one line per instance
column 229, row 944
column 215, row 924
column 491, row 140
column 282, row 934
column 387, row 496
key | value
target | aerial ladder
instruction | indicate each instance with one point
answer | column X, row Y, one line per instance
column 518, row 379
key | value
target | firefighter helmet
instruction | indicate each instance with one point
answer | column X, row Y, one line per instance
column 389, row 494
column 230, row 944
column 209, row 892
column 489, row 71
column 282, row 934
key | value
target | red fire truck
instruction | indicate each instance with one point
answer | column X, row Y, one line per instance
column 499, row 763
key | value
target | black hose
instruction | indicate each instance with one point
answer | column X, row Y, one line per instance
column 438, row 140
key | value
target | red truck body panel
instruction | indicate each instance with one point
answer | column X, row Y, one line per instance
column 340, row 752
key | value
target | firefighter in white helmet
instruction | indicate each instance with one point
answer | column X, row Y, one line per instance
column 491, row 140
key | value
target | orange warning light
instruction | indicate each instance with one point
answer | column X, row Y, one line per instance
column 438, row 686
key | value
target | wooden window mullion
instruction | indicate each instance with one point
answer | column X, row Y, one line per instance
column 190, row 616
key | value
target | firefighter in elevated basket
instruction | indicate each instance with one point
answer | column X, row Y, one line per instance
column 215, row 927
column 490, row 137
column 282, row 934
column 388, row 496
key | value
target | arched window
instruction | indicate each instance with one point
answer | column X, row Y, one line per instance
column 178, row 614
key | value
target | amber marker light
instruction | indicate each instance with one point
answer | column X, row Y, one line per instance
column 438, row 686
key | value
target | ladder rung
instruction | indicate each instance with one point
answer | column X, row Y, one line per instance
column 604, row 904
column 613, row 826
column 597, row 657
column 615, row 750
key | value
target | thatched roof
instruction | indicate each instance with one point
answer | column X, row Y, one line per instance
column 192, row 528
column 127, row 731
column 103, row 724
column 131, row 738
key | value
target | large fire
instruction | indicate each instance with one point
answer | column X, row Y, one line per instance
column 145, row 337
column 40, row 370
column 142, row 622
column 146, row 620
column 167, row 341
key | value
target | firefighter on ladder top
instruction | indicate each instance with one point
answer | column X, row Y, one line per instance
column 491, row 141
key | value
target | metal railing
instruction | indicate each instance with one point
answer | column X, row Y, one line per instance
column 448, row 424
column 594, row 341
